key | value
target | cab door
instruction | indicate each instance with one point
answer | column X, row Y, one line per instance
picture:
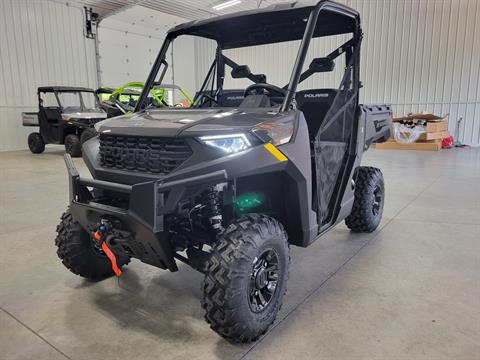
column 333, row 144
column 50, row 118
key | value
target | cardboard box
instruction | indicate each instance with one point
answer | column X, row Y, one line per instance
column 436, row 129
column 422, row 116
column 391, row 144
column 435, row 123
column 440, row 135
column 437, row 126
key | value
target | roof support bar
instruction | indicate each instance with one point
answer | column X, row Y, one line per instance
column 333, row 55
column 307, row 36
column 302, row 53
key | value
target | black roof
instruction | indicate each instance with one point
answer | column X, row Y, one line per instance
column 275, row 23
column 104, row 90
column 63, row 89
column 109, row 90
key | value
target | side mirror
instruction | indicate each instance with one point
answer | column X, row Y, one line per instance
column 322, row 65
column 241, row 72
column 244, row 72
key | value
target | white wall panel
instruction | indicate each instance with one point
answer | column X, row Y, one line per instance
column 419, row 55
column 41, row 43
column 183, row 61
column 129, row 42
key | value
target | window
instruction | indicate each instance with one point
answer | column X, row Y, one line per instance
column 49, row 99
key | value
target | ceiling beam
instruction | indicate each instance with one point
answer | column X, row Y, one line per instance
column 186, row 9
column 132, row 3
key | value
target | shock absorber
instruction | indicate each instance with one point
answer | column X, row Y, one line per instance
column 213, row 205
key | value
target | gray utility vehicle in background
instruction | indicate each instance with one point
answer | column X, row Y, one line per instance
column 229, row 184
column 66, row 115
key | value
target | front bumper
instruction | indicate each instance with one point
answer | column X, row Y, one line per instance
column 143, row 220
column 83, row 123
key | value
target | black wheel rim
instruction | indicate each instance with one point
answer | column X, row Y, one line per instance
column 263, row 280
column 377, row 200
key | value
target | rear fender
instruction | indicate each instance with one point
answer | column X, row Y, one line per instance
column 378, row 123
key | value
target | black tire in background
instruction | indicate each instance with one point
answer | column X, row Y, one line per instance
column 87, row 134
column 369, row 199
column 73, row 145
column 249, row 262
column 78, row 252
column 36, row 143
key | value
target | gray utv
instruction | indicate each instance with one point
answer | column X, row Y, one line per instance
column 229, row 184
column 66, row 115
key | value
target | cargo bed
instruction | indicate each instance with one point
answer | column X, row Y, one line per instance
column 30, row 119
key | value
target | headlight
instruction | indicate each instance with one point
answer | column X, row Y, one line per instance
column 278, row 133
column 228, row 143
column 66, row 117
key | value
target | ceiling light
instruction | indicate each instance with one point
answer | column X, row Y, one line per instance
column 226, row 4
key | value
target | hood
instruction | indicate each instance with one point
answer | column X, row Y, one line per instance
column 186, row 122
column 90, row 114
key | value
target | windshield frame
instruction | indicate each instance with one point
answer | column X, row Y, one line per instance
column 311, row 25
column 80, row 93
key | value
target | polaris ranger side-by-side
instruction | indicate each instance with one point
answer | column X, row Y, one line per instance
column 227, row 185
column 66, row 115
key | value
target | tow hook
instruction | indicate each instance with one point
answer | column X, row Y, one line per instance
column 100, row 235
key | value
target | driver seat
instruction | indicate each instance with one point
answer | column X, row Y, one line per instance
column 315, row 104
column 229, row 98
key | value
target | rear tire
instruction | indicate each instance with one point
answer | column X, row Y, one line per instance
column 73, row 145
column 36, row 143
column 87, row 134
column 246, row 277
column 369, row 199
column 78, row 253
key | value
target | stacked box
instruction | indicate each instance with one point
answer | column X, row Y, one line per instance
column 436, row 129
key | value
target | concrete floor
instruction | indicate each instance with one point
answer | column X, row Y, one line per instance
column 411, row 290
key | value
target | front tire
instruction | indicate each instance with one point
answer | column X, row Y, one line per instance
column 246, row 277
column 73, row 145
column 36, row 143
column 78, row 252
column 87, row 134
column 369, row 199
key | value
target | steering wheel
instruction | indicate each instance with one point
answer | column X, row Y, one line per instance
column 268, row 89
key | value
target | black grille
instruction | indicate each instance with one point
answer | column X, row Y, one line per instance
column 143, row 154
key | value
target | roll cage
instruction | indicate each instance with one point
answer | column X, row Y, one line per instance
column 273, row 24
column 64, row 89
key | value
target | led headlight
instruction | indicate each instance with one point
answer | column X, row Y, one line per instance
column 230, row 143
